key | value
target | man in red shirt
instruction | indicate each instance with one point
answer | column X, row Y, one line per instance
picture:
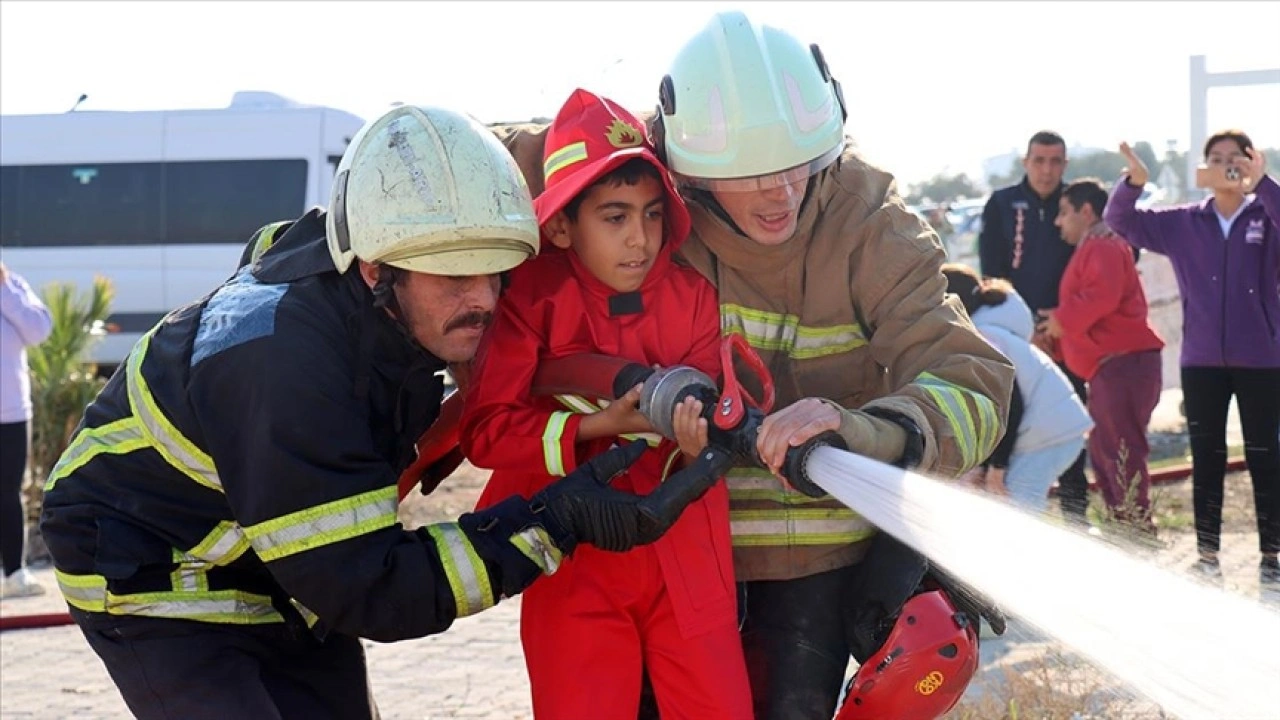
column 1104, row 336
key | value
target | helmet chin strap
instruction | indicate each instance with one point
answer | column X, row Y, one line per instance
column 386, row 298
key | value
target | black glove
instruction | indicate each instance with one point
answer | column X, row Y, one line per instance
column 520, row 540
column 527, row 539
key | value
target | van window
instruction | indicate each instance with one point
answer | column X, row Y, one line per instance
column 147, row 203
column 225, row 202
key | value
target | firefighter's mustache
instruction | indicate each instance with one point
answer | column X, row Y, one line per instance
column 477, row 318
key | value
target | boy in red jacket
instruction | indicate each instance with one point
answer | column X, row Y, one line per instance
column 1103, row 333
column 607, row 285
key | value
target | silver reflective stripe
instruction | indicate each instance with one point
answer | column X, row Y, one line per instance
column 579, row 404
column 86, row 592
column 191, row 577
column 552, row 435
column 115, row 438
column 222, row 546
column 751, row 485
column 177, row 450
column 463, row 568
column 535, row 544
column 234, row 607
column 324, row 524
column 776, row 331
column 798, row 526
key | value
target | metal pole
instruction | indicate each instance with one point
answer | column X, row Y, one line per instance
column 1200, row 82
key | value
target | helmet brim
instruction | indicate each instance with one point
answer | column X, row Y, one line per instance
column 554, row 198
column 790, row 176
column 468, row 261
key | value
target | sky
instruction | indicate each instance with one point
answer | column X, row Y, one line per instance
column 932, row 87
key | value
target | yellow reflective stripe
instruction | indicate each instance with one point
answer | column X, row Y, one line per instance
column 551, row 437
column 754, row 484
column 324, row 524
column 264, row 239
column 115, row 438
column 84, row 592
column 782, row 497
column 190, row 577
column 798, row 526
column 308, row 617
column 563, row 158
column 176, row 449
column 463, row 568
column 976, row 440
column 235, row 607
column 535, row 544
column 222, row 546
column 988, row 424
column 579, row 404
column 670, row 463
column 742, row 538
column 783, row 332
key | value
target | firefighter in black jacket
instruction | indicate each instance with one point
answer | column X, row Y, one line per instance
column 223, row 523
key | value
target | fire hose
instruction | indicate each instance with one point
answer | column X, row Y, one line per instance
column 733, row 415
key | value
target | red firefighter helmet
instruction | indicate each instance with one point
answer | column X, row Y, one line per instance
column 921, row 670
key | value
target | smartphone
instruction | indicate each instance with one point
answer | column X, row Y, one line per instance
column 1218, row 178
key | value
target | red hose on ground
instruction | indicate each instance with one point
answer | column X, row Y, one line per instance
column 25, row 622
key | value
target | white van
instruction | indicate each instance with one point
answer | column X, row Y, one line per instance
column 160, row 202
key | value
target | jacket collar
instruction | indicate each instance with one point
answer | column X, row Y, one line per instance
column 593, row 284
column 1207, row 206
column 1035, row 196
column 733, row 248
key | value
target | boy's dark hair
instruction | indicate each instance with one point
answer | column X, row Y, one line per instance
column 974, row 292
column 1046, row 137
column 1086, row 191
column 628, row 173
column 1241, row 140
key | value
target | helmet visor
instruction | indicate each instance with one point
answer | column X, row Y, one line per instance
column 769, row 181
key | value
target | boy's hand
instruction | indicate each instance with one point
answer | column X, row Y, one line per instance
column 623, row 415
column 690, row 427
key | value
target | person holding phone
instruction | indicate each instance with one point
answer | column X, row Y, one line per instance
column 1225, row 253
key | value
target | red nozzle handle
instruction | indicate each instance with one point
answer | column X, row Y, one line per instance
column 731, row 408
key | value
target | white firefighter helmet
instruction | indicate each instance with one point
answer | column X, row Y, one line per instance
column 430, row 190
column 747, row 106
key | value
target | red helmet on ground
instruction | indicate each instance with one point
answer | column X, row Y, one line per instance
column 921, row 670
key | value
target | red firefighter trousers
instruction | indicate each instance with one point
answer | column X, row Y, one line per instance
column 590, row 628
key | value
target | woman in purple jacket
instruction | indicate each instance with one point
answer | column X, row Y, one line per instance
column 24, row 321
column 1225, row 253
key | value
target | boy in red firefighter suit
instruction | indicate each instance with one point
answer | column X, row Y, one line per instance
column 609, row 286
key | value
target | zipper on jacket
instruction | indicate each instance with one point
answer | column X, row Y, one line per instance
column 1226, row 251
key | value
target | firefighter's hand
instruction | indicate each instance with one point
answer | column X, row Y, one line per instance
column 791, row 427
column 581, row 507
column 521, row 540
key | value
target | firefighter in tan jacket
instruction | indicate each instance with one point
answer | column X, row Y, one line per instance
column 839, row 289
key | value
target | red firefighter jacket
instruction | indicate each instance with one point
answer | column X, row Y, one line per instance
column 555, row 307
